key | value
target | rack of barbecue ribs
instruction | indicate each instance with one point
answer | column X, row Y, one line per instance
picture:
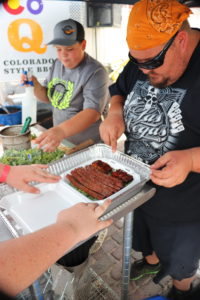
column 98, row 180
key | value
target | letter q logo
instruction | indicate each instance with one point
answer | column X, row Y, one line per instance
column 26, row 44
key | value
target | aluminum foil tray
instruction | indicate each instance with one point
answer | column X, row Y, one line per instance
column 30, row 212
column 117, row 160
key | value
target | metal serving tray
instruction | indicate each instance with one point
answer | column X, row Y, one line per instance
column 117, row 160
column 30, row 212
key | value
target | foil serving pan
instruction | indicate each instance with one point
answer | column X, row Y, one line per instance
column 117, row 160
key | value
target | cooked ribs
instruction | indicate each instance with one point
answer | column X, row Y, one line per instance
column 97, row 181
column 78, row 185
column 84, row 178
column 94, row 180
column 102, row 166
column 110, row 181
column 125, row 177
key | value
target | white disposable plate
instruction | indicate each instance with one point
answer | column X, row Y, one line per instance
column 34, row 211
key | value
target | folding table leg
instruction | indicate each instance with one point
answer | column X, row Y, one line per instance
column 127, row 245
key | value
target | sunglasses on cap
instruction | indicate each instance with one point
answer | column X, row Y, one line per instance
column 155, row 62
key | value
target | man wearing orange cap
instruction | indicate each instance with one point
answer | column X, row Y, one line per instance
column 156, row 103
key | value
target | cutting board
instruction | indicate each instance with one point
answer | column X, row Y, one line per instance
column 76, row 148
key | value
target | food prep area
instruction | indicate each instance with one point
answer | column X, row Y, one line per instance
column 102, row 278
column 21, row 220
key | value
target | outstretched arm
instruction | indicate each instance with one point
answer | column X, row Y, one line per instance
column 24, row 259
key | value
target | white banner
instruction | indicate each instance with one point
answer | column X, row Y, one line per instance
column 26, row 25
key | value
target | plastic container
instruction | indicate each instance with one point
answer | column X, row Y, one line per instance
column 13, row 139
column 29, row 102
column 13, row 118
column 29, row 105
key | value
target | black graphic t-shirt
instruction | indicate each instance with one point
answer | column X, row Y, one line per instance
column 5, row 297
column 162, row 120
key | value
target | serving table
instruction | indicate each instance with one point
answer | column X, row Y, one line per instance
column 116, row 212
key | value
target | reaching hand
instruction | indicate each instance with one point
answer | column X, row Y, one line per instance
column 83, row 218
column 20, row 176
column 111, row 129
column 172, row 168
column 50, row 139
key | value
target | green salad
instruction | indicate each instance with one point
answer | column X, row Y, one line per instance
column 28, row 157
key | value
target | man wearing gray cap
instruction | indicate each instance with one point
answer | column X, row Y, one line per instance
column 77, row 88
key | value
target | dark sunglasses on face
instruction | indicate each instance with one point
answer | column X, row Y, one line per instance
column 155, row 62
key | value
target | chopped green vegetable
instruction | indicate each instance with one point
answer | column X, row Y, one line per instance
column 82, row 192
column 28, row 157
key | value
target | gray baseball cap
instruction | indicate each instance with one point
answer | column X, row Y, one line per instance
column 67, row 33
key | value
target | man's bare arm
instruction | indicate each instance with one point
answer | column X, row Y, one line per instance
column 24, row 259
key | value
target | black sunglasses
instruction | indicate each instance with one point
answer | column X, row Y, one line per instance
column 155, row 62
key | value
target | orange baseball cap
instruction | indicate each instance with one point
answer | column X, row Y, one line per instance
column 154, row 22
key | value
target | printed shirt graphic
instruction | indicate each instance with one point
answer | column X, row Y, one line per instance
column 60, row 93
column 153, row 120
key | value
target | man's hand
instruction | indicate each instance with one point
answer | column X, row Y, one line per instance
column 83, row 219
column 172, row 168
column 111, row 129
column 20, row 176
column 50, row 139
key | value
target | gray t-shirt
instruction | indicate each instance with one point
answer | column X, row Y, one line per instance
column 73, row 90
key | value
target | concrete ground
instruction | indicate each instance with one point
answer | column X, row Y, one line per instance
column 107, row 262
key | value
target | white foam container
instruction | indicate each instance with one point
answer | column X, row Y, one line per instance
column 34, row 211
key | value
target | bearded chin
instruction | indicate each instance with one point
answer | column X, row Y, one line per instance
column 162, row 84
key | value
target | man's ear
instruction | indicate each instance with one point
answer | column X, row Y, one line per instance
column 83, row 44
column 182, row 39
